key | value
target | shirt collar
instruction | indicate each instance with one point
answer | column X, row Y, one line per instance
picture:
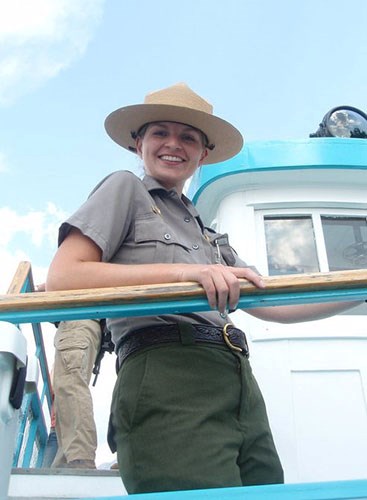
column 153, row 185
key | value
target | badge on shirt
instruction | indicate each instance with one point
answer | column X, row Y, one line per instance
column 156, row 210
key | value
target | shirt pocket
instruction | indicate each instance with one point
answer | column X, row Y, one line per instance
column 156, row 242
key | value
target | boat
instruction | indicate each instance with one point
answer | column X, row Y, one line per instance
column 310, row 193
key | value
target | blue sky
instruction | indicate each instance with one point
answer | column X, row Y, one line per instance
column 273, row 69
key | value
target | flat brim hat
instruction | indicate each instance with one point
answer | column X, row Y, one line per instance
column 177, row 103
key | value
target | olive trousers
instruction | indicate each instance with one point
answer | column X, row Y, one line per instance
column 191, row 417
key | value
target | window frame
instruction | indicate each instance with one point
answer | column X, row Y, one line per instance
column 315, row 215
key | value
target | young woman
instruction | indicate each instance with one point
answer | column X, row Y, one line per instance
column 186, row 410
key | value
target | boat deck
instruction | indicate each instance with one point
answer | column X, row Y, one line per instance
column 44, row 484
column 47, row 484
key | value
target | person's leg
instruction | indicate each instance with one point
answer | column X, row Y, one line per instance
column 258, row 460
column 76, row 346
column 175, row 414
column 51, row 449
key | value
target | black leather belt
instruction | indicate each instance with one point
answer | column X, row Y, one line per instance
column 186, row 334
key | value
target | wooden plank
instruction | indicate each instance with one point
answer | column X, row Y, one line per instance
column 179, row 291
column 154, row 308
column 177, row 298
column 22, row 277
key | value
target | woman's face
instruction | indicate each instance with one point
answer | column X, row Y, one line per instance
column 171, row 152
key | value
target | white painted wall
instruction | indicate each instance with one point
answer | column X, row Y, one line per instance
column 313, row 375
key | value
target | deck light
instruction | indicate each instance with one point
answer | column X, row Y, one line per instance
column 343, row 121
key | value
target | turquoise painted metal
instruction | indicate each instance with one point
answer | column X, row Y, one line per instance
column 338, row 490
column 177, row 306
column 318, row 153
column 32, row 427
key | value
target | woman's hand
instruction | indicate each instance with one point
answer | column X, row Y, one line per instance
column 221, row 283
column 77, row 264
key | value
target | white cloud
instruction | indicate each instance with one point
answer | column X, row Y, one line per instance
column 8, row 266
column 9, row 262
column 37, row 228
column 40, row 38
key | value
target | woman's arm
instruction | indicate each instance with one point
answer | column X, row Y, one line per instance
column 77, row 264
column 301, row 313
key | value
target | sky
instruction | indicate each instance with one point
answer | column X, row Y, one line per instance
column 273, row 69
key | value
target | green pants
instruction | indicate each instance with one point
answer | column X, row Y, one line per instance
column 191, row 417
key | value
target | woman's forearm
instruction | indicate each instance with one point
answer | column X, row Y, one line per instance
column 102, row 274
column 301, row 313
column 78, row 264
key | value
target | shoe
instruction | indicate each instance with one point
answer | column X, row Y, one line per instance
column 114, row 466
column 79, row 464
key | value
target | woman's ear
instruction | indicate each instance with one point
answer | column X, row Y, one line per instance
column 138, row 145
column 203, row 156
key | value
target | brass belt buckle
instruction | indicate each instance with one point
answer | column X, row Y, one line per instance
column 227, row 339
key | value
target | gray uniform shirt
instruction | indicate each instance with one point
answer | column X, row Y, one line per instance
column 137, row 221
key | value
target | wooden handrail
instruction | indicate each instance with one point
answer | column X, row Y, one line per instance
column 295, row 283
column 20, row 278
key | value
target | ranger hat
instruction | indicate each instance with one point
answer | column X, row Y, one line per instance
column 177, row 103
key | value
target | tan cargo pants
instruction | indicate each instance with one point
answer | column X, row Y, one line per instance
column 76, row 346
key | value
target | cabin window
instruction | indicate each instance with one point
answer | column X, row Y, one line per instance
column 311, row 240
column 290, row 245
column 345, row 242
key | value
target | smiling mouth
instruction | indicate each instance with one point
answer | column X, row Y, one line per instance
column 171, row 158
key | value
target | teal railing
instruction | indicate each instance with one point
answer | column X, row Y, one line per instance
column 21, row 305
column 33, row 431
